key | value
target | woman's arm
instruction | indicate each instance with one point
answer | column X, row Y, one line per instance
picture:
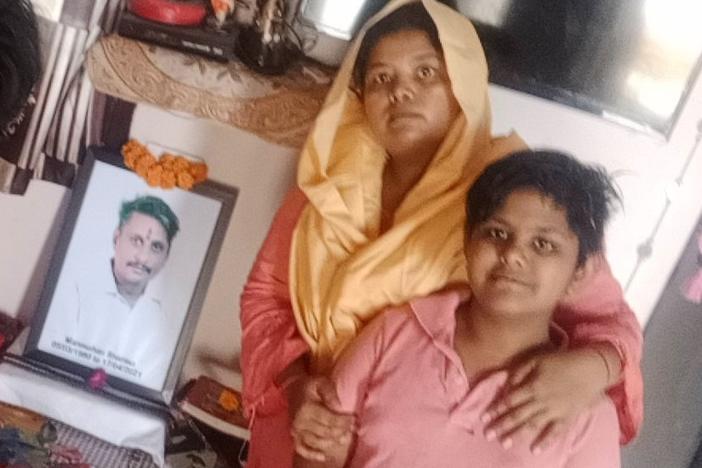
column 549, row 390
column 270, row 340
column 273, row 352
column 599, row 319
column 595, row 438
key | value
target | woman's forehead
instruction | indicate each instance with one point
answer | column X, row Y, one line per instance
column 402, row 45
column 403, row 38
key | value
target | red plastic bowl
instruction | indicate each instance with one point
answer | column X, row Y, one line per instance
column 181, row 13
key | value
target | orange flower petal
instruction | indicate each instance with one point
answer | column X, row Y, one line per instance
column 167, row 171
column 168, row 179
column 181, row 164
column 199, row 172
column 228, row 401
column 185, row 180
column 153, row 175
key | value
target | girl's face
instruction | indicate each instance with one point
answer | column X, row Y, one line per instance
column 407, row 94
column 523, row 259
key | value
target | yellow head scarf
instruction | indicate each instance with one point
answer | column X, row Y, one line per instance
column 341, row 271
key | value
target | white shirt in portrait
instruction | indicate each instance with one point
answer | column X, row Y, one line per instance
column 91, row 324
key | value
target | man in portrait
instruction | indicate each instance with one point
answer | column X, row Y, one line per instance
column 108, row 317
column 142, row 242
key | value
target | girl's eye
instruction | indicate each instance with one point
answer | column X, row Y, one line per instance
column 543, row 245
column 426, row 72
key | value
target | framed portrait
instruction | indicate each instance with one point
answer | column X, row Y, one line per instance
column 128, row 279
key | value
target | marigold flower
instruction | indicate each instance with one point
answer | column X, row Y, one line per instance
column 148, row 158
column 181, row 164
column 167, row 171
column 143, row 166
column 185, row 180
column 132, row 151
column 199, row 172
column 168, row 161
column 153, row 175
column 228, row 401
column 130, row 159
column 168, row 179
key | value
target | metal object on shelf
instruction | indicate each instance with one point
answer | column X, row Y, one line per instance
column 265, row 46
column 214, row 43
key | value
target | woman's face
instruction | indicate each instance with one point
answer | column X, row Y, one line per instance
column 407, row 94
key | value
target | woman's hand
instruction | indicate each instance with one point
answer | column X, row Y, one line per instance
column 545, row 392
column 319, row 434
column 336, row 457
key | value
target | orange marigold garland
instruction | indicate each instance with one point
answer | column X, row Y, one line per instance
column 166, row 172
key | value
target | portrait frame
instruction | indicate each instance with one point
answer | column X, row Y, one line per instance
column 158, row 326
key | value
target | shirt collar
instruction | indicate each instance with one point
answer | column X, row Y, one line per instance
column 107, row 279
column 558, row 336
column 436, row 314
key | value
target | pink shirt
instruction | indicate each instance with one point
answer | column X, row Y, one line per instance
column 416, row 407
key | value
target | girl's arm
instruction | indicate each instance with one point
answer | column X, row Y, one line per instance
column 350, row 377
column 549, row 390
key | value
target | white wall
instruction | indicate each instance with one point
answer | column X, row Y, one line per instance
column 647, row 166
column 28, row 231
column 263, row 172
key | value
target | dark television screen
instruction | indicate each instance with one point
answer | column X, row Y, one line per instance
column 632, row 61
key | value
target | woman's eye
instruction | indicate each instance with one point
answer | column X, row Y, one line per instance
column 497, row 233
column 543, row 245
column 426, row 72
column 381, row 78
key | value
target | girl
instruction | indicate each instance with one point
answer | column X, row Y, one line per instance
column 534, row 218
column 378, row 219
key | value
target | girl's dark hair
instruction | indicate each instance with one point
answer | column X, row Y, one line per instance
column 412, row 16
column 20, row 62
column 585, row 192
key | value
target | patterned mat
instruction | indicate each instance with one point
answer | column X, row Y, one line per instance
column 279, row 109
column 29, row 440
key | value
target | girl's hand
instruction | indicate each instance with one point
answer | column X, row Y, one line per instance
column 545, row 392
column 319, row 434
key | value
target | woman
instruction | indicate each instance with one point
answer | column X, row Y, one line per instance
column 382, row 180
